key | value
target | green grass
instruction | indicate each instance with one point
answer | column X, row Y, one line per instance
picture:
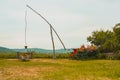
column 8, row 55
column 35, row 55
column 59, row 69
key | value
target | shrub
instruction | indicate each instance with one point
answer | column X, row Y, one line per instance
column 8, row 55
column 84, row 53
column 101, row 56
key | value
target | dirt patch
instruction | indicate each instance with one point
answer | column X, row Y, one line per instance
column 60, row 61
column 35, row 72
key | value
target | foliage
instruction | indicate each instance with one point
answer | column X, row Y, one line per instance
column 101, row 56
column 99, row 37
column 117, row 56
column 109, row 56
column 8, row 55
column 106, row 41
column 34, row 55
column 84, row 52
column 49, row 55
column 116, row 30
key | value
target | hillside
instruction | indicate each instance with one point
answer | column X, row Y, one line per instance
column 39, row 50
column 5, row 50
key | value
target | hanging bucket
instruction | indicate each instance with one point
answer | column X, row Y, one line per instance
column 26, row 47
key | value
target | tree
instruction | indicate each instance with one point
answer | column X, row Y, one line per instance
column 116, row 30
column 106, row 41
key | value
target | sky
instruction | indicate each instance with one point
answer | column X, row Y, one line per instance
column 74, row 21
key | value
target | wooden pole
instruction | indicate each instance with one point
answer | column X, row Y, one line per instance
column 51, row 31
column 54, row 56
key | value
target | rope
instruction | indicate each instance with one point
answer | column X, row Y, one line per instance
column 25, row 24
column 26, row 27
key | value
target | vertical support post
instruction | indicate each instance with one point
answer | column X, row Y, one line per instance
column 54, row 56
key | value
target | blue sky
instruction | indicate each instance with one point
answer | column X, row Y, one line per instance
column 74, row 20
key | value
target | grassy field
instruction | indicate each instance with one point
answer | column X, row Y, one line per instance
column 59, row 69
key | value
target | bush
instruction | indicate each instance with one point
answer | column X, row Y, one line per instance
column 117, row 55
column 49, row 55
column 8, row 55
column 109, row 56
column 84, row 55
column 101, row 56
column 89, row 52
column 65, row 55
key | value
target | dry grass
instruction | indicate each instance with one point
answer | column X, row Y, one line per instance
column 59, row 69
column 14, row 72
